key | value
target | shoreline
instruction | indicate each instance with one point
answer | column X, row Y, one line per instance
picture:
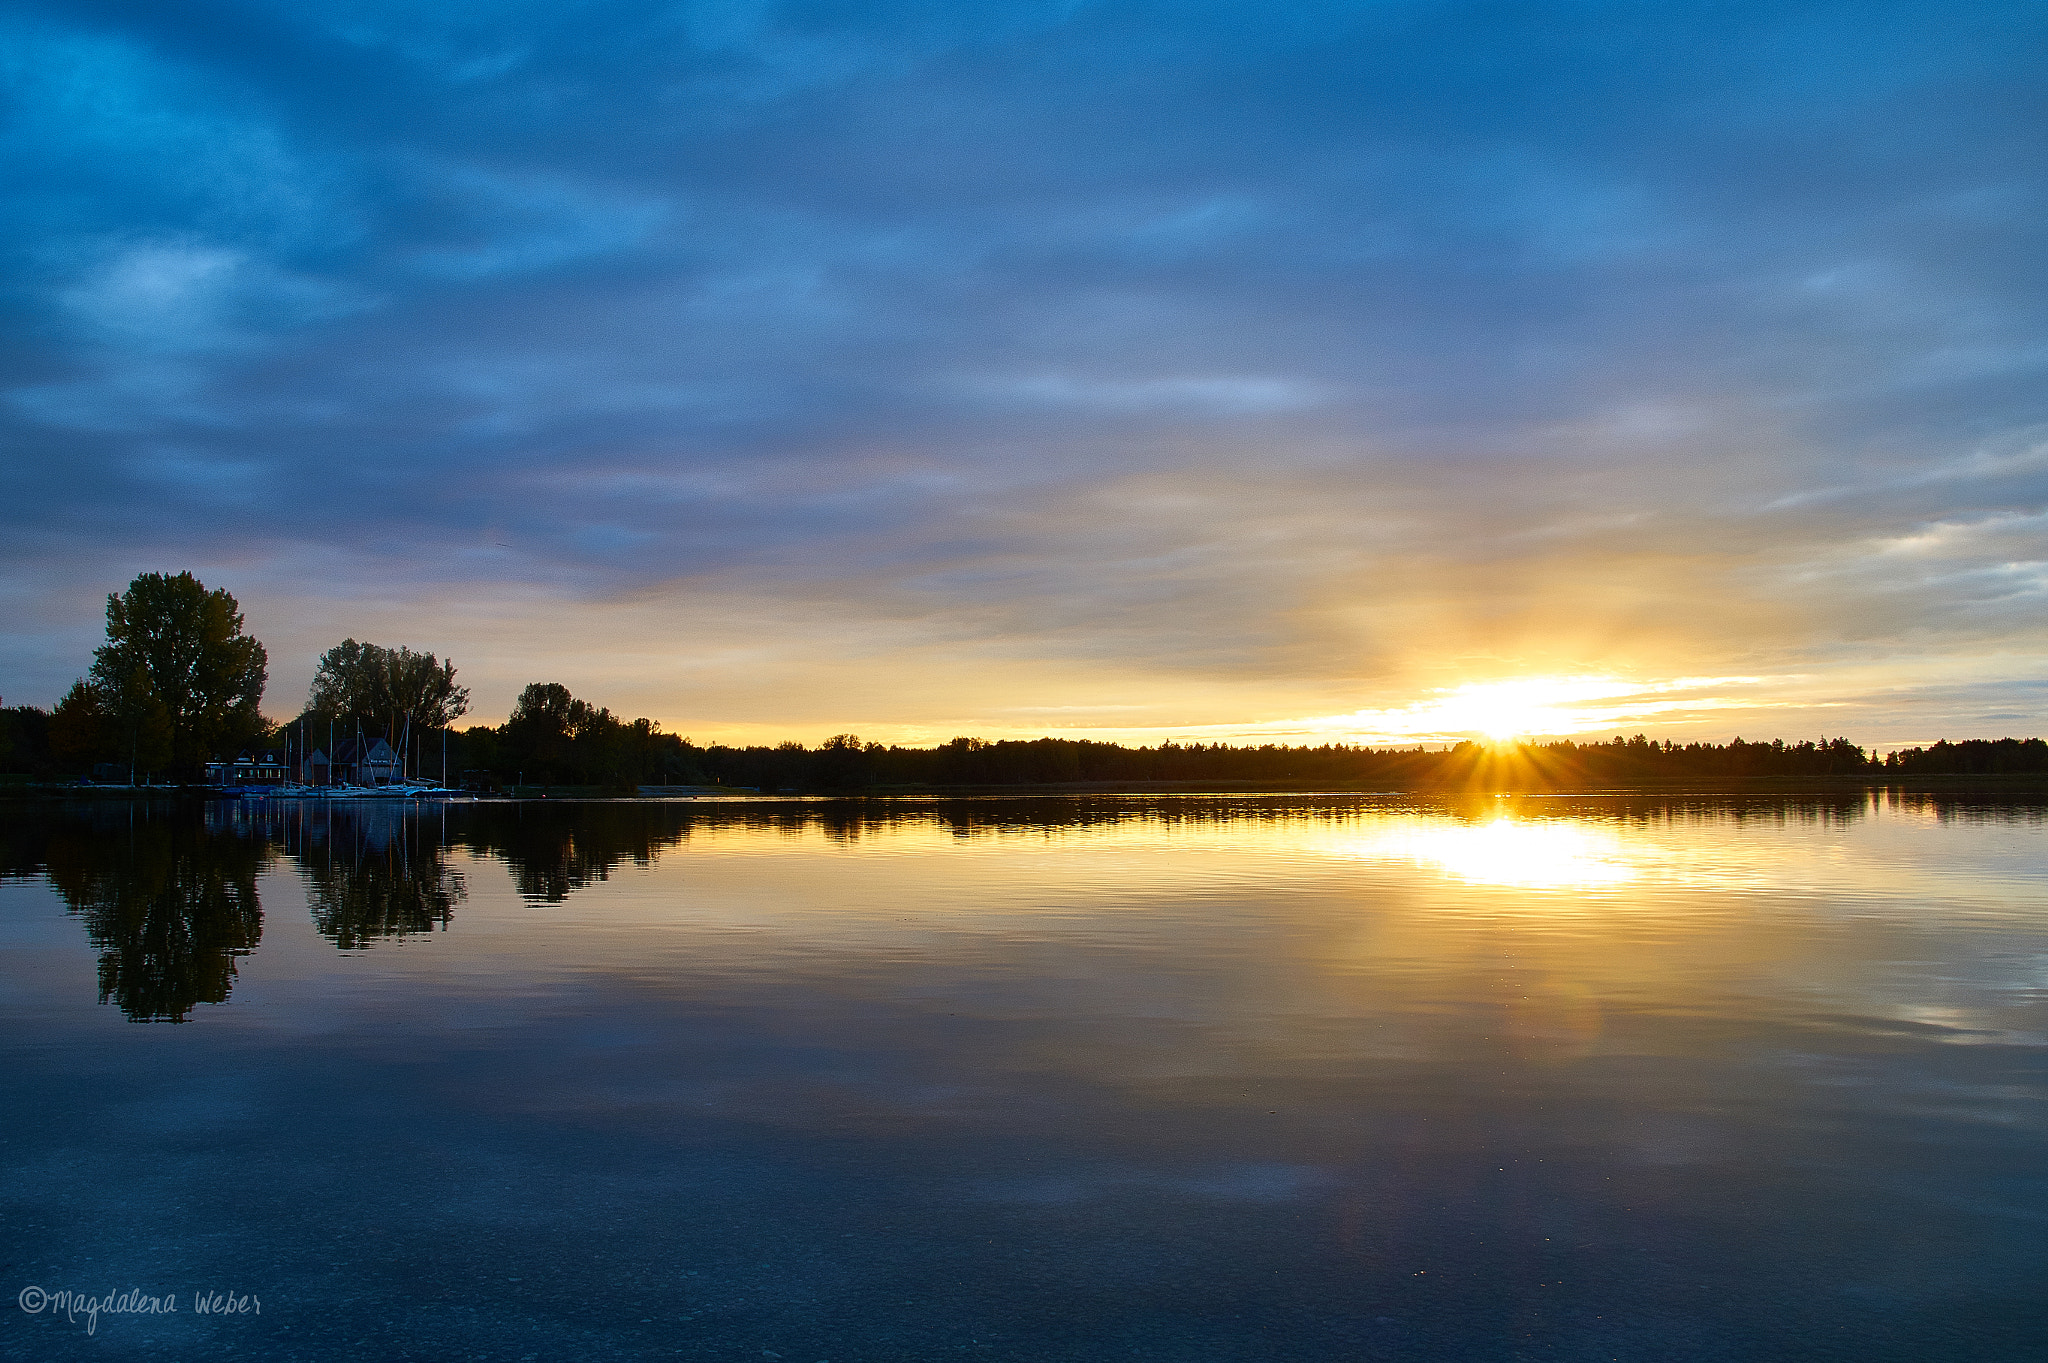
column 2013, row 783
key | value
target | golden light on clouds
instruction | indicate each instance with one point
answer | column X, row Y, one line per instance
column 1528, row 706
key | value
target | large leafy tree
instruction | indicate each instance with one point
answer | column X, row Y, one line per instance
column 423, row 689
column 541, row 735
column 554, row 736
column 382, row 688
column 348, row 685
column 177, row 662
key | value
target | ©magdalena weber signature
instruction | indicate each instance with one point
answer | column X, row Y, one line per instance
column 135, row 1302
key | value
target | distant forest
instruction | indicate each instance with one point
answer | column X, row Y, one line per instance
column 555, row 739
column 846, row 763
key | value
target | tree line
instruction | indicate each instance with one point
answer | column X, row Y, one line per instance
column 844, row 762
column 179, row 682
column 554, row 738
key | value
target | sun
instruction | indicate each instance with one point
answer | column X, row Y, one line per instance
column 1505, row 717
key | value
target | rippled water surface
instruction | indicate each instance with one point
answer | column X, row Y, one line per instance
column 1199, row 1078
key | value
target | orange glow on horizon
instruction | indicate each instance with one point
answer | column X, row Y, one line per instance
column 1526, row 706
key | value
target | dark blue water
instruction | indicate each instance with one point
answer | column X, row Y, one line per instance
column 1215, row 1078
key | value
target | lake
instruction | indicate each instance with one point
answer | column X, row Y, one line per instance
column 1148, row 1078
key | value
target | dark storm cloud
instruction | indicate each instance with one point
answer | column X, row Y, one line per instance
column 1057, row 321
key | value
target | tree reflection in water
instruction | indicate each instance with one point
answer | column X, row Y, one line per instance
column 168, row 890
column 373, row 868
column 372, row 871
column 168, row 904
column 556, row 848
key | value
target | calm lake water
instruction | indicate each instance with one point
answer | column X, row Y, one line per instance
column 1197, row 1078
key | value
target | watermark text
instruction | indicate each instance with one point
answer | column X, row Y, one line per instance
column 89, row 1307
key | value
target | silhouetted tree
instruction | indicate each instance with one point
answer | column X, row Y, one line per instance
column 383, row 689
column 544, row 723
column 1972, row 756
column 175, row 657
column 841, row 763
column 129, row 726
column 25, row 741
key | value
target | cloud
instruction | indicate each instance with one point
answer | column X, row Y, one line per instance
column 1243, row 363
column 1218, row 396
column 172, row 296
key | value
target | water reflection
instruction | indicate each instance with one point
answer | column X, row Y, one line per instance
column 1547, row 855
column 556, row 848
column 372, row 870
column 169, row 895
column 374, row 887
column 1195, row 1078
column 168, row 905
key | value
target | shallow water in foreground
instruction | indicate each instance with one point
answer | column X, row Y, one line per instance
column 1199, row 1078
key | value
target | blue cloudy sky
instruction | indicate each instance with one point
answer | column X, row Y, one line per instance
column 1221, row 369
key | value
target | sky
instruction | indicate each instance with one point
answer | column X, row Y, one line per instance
column 1207, row 370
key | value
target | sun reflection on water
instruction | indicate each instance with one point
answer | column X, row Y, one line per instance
column 1542, row 855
